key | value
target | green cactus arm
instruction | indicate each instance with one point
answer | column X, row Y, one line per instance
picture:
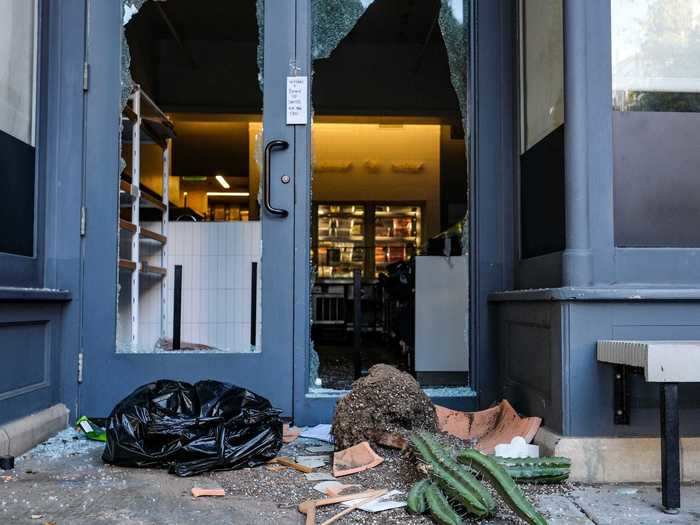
column 415, row 502
column 462, row 494
column 503, row 483
column 546, row 480
column 440, row 509
column 453, row 478
column 544, row 462
column 533, row 473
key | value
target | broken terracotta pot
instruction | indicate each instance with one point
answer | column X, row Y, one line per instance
column 355, row 459
column 490, row 427
column 290, row 434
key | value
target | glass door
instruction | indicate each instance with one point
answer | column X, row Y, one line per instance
column 196, row 282
column 388, row 195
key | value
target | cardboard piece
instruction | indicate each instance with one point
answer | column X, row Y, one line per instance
column 380, row 504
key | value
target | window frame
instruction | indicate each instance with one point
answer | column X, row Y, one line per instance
column 23, row 270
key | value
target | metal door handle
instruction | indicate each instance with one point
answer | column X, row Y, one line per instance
column 273, row 144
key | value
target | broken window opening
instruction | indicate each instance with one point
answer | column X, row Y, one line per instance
column 191, row 86
column 390, row 192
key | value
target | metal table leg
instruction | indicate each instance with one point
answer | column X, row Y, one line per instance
column 670, row 449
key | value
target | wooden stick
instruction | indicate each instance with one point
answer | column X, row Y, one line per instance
column 350, row 509
column 308, row 507
column 287, row 462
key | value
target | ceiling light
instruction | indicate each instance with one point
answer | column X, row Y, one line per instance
column 228, row 194
column 225, row 185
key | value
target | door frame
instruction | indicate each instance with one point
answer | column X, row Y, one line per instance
column 490, row 201
column 109, row 376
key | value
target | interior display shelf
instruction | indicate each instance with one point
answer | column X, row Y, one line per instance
column 146, row 234
column 144, row 123
column 383, row 239
column 125, row 264
column 153, row 270
column 149, row 198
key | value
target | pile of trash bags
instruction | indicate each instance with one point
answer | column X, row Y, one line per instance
column 191, row 429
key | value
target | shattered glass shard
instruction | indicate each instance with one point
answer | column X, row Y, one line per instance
column 332, row 20
column 454, row 26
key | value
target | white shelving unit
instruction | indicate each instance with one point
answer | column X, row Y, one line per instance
column 143, row 122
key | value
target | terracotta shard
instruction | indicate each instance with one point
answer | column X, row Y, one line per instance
column 290, row 434
column 355, row 459
column 207, row 488
column 490, row 427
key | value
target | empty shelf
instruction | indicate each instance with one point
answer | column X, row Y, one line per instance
column 126, row 225
column 127, row 265
column 153, row 270
column 149, row 234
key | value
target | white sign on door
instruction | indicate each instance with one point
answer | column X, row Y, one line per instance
column 297, row 93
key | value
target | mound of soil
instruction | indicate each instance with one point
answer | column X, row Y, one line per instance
column 386, row 400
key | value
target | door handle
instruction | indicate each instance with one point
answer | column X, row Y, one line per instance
column 273, row 144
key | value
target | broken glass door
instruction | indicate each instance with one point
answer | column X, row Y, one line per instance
column 389, row 236
column 203, row 290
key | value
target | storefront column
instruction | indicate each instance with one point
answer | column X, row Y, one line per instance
column 577, row 257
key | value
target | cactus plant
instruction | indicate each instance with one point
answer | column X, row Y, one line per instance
column 415, row 502
column 537, row 470
column 453, row 487
column 455, row 480
column 440, row 508
column 503, row 483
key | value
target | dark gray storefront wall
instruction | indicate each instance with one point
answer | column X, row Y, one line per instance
column 39, row 335
column 547, row 337
column 547, row 346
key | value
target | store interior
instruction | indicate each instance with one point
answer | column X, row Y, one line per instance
column 389, row 192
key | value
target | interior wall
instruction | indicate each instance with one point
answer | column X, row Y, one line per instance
column 361, row 162
column 216, row 259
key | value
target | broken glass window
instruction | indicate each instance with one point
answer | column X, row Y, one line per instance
column 332, row 20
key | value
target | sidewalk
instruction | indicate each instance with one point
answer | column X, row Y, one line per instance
column 65, row 482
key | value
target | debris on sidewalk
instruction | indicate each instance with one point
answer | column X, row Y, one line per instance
column 320, row 449
column 319, row 476
column 379, row 504
column 517, row 448
column 192, row 429
column 289, row 462
column 488, row 428
column 92, row 427
column 207, row 488
column 354, row 505
column 334, row 488
column 390, row 440
column 290, row 434
column 355, row 459
column 312, row 461
column 321, row 432
column 309, row 507
column 386, row 400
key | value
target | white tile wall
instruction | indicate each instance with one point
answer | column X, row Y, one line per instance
column 216, row 261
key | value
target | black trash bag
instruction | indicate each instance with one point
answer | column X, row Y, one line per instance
column 191, row 429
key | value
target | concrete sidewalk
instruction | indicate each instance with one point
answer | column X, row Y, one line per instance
column 67, row 483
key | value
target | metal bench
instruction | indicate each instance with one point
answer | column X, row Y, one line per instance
column 667, row 363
